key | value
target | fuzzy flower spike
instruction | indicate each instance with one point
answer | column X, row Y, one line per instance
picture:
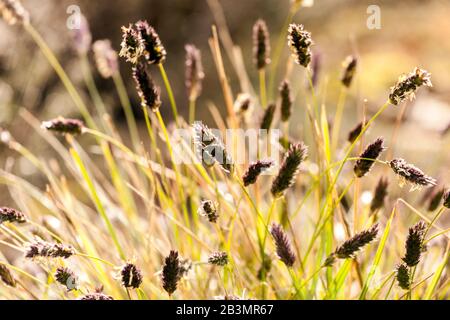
column 300, row 42
column 407, row 85
column 411, row 174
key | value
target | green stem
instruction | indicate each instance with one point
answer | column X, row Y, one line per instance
column 262, row 88
column 97, row 202
column 169, row 92
column 192, row 104
column 338, row 119
column 280, row 44
column 92, row 88
column 49, row 55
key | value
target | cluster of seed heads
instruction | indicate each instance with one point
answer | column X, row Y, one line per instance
column 171, row 272
column 300, row 42
column 208, row 209
column 285, row 100
column 140, row 40
column 368, row 157
column 131, row 276
column 6, row 276
column 289, row 168
column 147, row 91
column 67, row 278
column 43, row 249
column 436, row 198
column 268, row 116
column 350, row 247
column 64, row 126
column 261, row 44
column 411, row 174
column 447, row 199
column 379, row 194
column 403, row 276
column 254, row 170
column 414, row 246
column 96, row 296
column 282, row 245
column 355, row 132
column 349, row 64
column 218, row 258
column 11, row 215
column 408, row 84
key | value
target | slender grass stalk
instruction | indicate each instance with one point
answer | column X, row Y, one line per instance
column 279, row 47
column 169, row 92
column 92, row 87
column 97, row 202
column 192, row 106
column 338, row 119
column 62, row 74
column 262, row 88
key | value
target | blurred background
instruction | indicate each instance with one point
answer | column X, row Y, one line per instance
column 413, row 33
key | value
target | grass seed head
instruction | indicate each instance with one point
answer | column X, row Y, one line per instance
column 147, row 91
column 285, row 100
column 414, row 244
column 348, row 249
column 218, row 258
column 64, row 126
column 13, row 12
column 403, row 276
column 254, row 170
column 208, row 208
column 283, row 245
column 407, row 85
column 300, row 42
column 6, row 276
column 436, row 198
column 11, row 215
column 131, row 276
column 261, row 44
column 132, row 46
column 447, row 199
column 105, row 58
column 411, row 174
column 349, row 65
column 171, row 272
column 97, row 296
column 67, row 278
column 289, row 169
column 268, row 116
column 355, row 132
column 372, row 151
column 43, row 249
column 380, row 194
column 194, row 71
column 154, row 52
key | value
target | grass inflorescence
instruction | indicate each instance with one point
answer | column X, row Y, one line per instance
column 121, row 213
